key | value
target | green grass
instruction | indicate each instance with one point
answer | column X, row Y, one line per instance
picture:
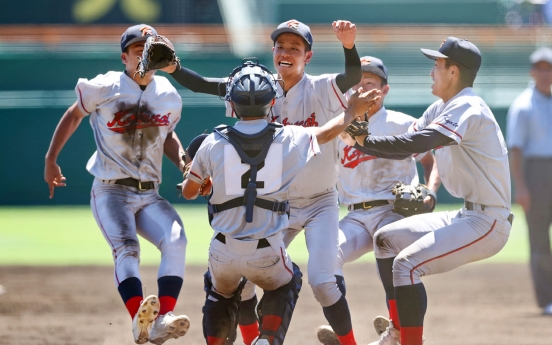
column 69, row 236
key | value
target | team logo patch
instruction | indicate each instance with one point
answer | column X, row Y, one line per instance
column 442, row 43
column 146, row 30
column 365, row 62
column 352, row 157
column 293, row 24
column 128, row 121
column 309, row 122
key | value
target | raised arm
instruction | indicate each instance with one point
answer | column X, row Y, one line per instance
column 65, row 128
column 345, row 32
column 195, row 82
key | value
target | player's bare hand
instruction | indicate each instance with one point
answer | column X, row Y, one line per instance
column 345, row 32
column 206, row 187
column 346, row 138
column 523, row 198
column 53, row 177
column 362, row 101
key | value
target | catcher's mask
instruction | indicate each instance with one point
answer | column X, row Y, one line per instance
column 251, row 88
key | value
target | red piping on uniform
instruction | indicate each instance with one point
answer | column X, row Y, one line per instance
column 82, row 104
column 284, row 262
column 196, row 175
column 445, row 127
column 451, row 252
column 105, row 233
column 339, row 98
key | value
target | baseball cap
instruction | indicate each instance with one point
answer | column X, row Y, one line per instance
column 541, row 54
column 195, row 144
column 462, row 51
column 373, row 65
column 295, row 27
column 136, row 33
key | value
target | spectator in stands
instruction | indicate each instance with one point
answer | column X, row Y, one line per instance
column 530, row 143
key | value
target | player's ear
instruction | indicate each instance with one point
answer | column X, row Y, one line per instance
column 385, row 90
column 124, row 58
column 308, row 57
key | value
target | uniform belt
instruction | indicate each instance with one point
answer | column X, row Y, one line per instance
column 136, row 184
column 470, row 206
column 274, row 206
column 366, row 205
column 263, row 242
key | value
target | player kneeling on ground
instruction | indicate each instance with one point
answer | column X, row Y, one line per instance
column 251, row 166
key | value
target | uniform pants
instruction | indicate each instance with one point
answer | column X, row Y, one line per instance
column 319, row 216
column 123, row 213
column 438, row 242
column 269, row 268
column 538, row 178
column 356, row 232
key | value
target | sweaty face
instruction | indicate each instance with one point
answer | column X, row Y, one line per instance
column 369, row 82
column 542, row 73
column 441, row 78
column 290, row 55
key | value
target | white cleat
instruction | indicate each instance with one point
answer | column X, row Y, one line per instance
column 169, row 326
column 380, row 324
column 327, row 336
column 143, row 320
column 390, row 336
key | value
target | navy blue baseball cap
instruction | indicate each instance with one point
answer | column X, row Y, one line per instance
column 195, row 144
column 136, row 33
column 462, row 51
column 295, row 27
column 370, row 64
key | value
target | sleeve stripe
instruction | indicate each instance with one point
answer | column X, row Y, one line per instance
column 338, row 97
column 445, row 127
column 82, row 104
column 196, row 175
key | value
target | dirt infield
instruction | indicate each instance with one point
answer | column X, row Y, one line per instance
column 479, row 304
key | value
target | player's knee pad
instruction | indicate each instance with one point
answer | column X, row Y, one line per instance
column 276, row 308
column 220, row 314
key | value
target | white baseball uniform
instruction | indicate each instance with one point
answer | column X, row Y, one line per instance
column 240, row 256
column 130, row 127
column 475, row 167
column 312, row 102
column 365, row 178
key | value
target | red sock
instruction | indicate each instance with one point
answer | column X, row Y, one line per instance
column 133, row 305
column 394, row 313
column 214, row 341
column 249, row 332
column 412, row 335
column 167, row 304
column 347, row 339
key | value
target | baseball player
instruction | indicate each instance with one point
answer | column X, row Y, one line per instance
column 252, row 165
column 311, row 101
column 133, row 121
column 473, row 163
column 365, row 181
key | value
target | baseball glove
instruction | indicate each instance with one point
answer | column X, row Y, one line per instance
column 158, row 53
column 409, row 200
column 356, row 128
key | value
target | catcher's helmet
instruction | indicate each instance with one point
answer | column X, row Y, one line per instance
column 251, row 87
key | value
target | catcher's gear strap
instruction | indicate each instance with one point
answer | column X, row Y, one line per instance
column 277, row 307
column 220, row 314
column 274, row 206
column 252, row 149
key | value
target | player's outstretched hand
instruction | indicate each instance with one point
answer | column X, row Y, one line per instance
column 345, row 31
column 361, row 101
column 53, row 177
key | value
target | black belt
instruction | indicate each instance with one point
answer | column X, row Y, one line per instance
column 274, row 206
column 263, row 242
column 468, row 205
column 136, row 184
column 368, row 205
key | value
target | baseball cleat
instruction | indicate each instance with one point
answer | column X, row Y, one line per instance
column 327, row 336
column 169, row 326
column 391, row 336
column 143, row 320
column 380, row 324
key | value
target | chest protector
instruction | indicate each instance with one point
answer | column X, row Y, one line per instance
column 252, row 149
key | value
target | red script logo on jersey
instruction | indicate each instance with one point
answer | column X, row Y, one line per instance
column 309, row 122
column 125, row 121
column 353, row 157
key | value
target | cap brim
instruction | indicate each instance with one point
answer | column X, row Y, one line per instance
column 137, row 39
column 274, row 35
column 374, row 70
column 433, row 54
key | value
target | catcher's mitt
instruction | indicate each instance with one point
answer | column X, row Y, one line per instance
column 409, row 200
column 356, row 128
column 158, row 53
